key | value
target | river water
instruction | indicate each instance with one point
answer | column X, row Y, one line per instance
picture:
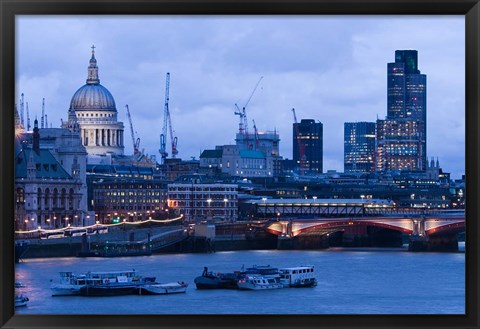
column 350, row 282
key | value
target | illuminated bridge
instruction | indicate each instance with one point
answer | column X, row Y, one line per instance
column 302, row 217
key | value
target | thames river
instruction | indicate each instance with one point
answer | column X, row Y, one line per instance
column 371, row 281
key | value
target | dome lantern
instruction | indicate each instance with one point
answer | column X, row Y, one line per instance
column 93, row 70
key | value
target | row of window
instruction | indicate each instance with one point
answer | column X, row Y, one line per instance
column 101, row 194
column 201, row 196
column 107, row 115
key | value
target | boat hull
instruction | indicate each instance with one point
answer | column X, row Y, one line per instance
column 65, row 290
column 162, row 289
column 249, row 286
column 21, row 301
column 109, row 290
column 206, row 282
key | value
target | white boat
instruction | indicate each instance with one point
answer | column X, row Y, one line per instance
column 18, row 284
column 163, row 288
column 260, row 282
column 71, row 284
column 300, row 276
column 21, row 300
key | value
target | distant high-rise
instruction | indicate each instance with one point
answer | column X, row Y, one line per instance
column 406, row 87
column 401, row 137
column 359, row 147
column 308, row 146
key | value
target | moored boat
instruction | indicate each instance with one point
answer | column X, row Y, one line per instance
column 300, row 276
column 260, row 282
column 162, row 288
column 210, row 280
column 115, row 284
column 18, row 284
column 21, row 300
column 260, row 278
column 71, row 284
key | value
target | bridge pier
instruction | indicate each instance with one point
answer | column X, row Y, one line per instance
column 443, row 243
column 447, row 243
column 417, row 243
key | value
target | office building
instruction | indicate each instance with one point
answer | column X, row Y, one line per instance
column 401, row 137
column 359, row 147
column 308, row 146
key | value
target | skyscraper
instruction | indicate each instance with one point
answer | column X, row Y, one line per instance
column 308, row 146
column 401, row 137
column 359, row 147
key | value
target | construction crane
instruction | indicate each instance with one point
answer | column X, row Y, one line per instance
column 167, row 124
column 135, row 143
column 22, row 111
column 28, row 119
column 43, row 114
column 243, row 125
column 301, row 145
column 256, row 135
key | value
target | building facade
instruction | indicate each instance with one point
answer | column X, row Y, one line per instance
column 50, row 183
column 399, row 146
column 199, row 200
column 129, row 199
column 401, row 137
column 308, row 146
column 359, row 147
column 94, row 107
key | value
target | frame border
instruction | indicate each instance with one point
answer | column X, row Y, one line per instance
column 10, row 8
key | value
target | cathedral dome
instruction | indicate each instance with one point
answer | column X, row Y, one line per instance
column 92, row 96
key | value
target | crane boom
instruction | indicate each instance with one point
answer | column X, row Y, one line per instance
column 173, row 138
column 256, row 135
column 243, row 124
column 301, row 146
column 135, row 143
column 28, row 119
column 22, row 111
column 163, row 135
column 167, row 124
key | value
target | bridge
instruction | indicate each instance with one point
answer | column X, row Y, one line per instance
column 297, row 218
column 426, row 232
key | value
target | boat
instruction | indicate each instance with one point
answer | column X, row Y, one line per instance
column 162, row 288
column 116, row 284
column 18, row 284
column 71, row 284
column 210, row 280
column 259, row 282
column 297, row 277
column 260, row 278
column 21, row 300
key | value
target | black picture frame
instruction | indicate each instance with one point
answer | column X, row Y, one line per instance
column 10, row 8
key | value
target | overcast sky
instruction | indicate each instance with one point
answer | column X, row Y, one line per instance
column 329, row 68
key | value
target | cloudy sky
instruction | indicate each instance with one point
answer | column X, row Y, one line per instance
column 329, row 68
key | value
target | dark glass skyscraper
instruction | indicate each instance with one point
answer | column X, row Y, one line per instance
column 401, row 137
column 308, row 146
column 359, row 147
column 406, row 87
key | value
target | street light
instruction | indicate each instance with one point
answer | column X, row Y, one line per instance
column 209, row 210
column 225, row 208
column 264, row 208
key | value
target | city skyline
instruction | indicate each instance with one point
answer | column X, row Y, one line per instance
column 215, row 62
